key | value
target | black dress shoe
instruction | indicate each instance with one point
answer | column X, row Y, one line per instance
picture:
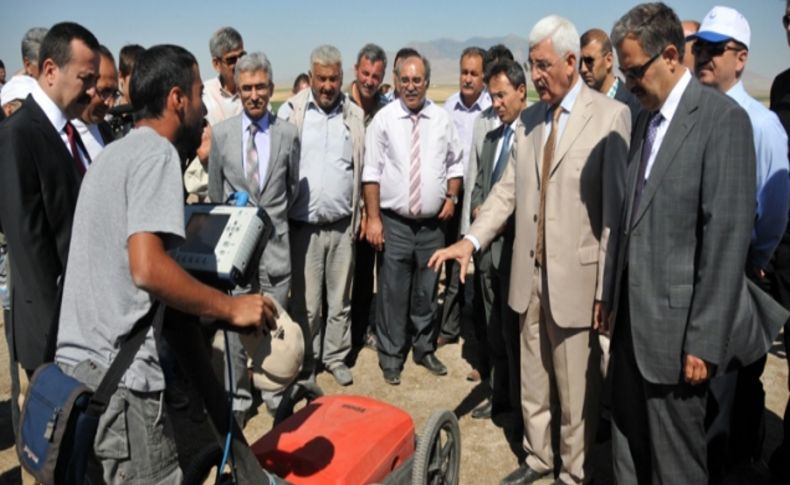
column 391, row 376
column 433, row 364
column 483, row 411
column 523, row 475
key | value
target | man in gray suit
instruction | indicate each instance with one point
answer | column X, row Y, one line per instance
column 257, row 153
column 507, row 86
column 682, row 305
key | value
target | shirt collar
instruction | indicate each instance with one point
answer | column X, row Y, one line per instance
column 673, row 100
column 224, row 92
column 482, row 101
column 613, row 90
column 568, row 101
column 50, row 109
column 738, row 93
column 262, row 123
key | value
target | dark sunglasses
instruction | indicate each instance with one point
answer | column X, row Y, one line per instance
column 231, row 60
column 712, row 49
column 638, row 72
column 786, row 20
column 588, row 61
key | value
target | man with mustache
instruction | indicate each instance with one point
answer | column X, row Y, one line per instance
column 412, row 178
column 464, row 107
column 595, row 67
column 257, row 153
column 43, row 160
column 119, row 265
column 93, row 129
column 325, row 217
column 721, row 48
column 563, row 184
column 369, row 69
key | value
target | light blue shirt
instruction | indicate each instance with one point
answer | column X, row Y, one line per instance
column 326, row 174
column 262, row 145
column 567, row 105
column 773, row 184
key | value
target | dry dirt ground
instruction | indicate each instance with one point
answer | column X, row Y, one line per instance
column 487, row 454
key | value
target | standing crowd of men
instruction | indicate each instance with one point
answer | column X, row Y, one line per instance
column 628, row 233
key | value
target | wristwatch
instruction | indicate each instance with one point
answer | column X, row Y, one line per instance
column 453, row 198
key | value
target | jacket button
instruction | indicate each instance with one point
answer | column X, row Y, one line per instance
column 531, row 253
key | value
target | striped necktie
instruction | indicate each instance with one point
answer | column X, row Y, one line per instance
column 415, row 183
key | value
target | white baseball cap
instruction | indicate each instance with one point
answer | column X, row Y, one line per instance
column 276, row 356
column 722, row 24
column 18, row 87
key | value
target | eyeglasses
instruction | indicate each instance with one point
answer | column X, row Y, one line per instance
column 786, row 20
column 588, row 61
column 712, row 49
column 405, row 81
column 541, row 66
column 107, row 93
column 638, row 72
column 231, row 60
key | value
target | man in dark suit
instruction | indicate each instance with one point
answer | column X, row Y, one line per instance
column 682, row 306
column 595, row 67
column 507, row 86
column 42, row 161
column 94, row 131
column 257, row 153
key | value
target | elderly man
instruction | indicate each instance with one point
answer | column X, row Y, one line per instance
column 683, row 307
column 507, row 86
column 94, row 131
column 464, row 107
column 412, row 178
column 369, row 70
column 325, row 216
column 564, row 183
column 31, row 44
column 221, row 99
column 595, row 66
column 257, row 153
column 721, row 48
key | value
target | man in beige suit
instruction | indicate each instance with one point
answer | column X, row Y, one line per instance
column 564, row 181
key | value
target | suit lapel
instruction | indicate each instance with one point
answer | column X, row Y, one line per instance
column 537, row 134
column 234, row 167
column 274, row 149
column 488, row 155
column 682, row 122
column 37, row 115
column 579, row 116
column 634, row 155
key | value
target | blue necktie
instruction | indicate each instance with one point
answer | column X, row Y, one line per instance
column 504, row 153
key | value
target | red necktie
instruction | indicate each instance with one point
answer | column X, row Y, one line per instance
column 72, row 135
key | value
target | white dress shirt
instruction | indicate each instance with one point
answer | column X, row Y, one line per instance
column 220, row 104
column 464, row 118
column 91, row 137
column 387, row 160
column 57, row 118
column 668, row 112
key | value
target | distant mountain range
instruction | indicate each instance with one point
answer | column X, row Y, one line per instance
column 443, row 55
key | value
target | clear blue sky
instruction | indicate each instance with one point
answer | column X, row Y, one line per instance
column 288, row 30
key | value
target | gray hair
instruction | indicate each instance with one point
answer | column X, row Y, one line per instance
column 654, row 26
column 373, row 53
column 325, row 55
column 224, row 40
column 31, row 43
column 253, row 62
column 418, row 56
column 563, row 34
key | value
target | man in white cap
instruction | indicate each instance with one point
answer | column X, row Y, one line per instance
column 14, row 93
column 721, row 51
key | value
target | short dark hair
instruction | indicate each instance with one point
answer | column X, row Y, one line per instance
column 301, row 78
column 511, row 69
column 598, row 35
column 654, row 26
column 426, row 64
column 473, row 51
column 157, row 71
column 57, row 43
column 404, row 53
column 1, row 64
column 127, row 57
column 496, row 53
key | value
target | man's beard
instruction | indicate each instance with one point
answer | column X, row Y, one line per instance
column 187, row 140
